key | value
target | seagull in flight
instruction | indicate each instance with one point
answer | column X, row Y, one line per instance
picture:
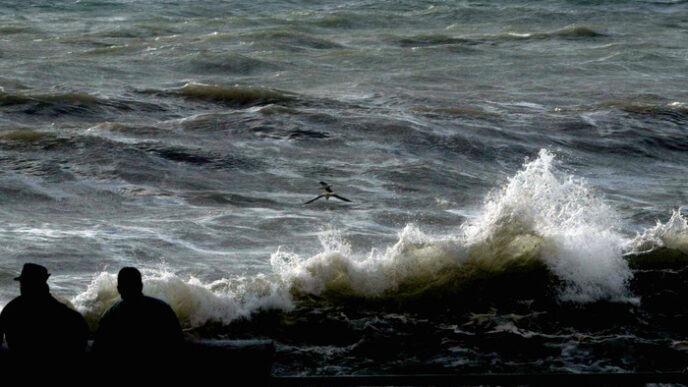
column 328, row 194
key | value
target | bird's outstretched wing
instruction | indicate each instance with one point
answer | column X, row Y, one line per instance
column 316, row 198
column 340, row 197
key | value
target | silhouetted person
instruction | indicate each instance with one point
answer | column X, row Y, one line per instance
column 36, row 324
column 138, row 325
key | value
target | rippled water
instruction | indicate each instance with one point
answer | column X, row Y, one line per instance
column 517, row 172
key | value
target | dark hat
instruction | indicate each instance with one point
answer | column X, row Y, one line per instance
column 33, row 272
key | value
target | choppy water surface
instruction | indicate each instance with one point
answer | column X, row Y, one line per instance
column 517, row 171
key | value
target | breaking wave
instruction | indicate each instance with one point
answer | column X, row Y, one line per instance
column 542, row 231
column 673, row 235
column 663, row 246
column 538, row 218
column 195, row 303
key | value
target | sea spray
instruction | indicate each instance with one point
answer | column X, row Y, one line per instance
column 574, row 231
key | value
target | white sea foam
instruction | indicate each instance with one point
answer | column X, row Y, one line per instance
column 195, row 303
column 673, row 235
column 415, row 257
column 576, row 231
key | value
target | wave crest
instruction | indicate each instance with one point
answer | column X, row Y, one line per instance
column 663, row 246
column 673, row 234
column 195, row 303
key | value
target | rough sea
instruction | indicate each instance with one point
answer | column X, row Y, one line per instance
column 517, row 170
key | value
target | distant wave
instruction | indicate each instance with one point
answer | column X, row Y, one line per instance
column 200, row 157
column 673, row 111
column 293, row 39
column 22, row 190
column 471, row 112
column 646, row 126
column 25, row 136
column 239, row 96
column 69, row 103
column 226, row 64
column 469, row 42
column 573, row 31
column 429, row 40
column 63, row 98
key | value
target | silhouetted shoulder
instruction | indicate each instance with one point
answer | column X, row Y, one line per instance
column 15, row 303
column 10, row 305
column 8, row 312
column 156, row 301
column 111, row 310
column 76, row 317
column 163, row 311
column 13, row 309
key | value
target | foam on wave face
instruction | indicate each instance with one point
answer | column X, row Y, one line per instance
column 579, row 242
column 195, row 303
column 673, row 235
column 416, row 257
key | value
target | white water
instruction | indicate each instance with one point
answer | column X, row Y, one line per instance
column 673, row 234
column 194, row 302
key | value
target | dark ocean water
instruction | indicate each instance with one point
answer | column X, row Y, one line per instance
column 517, row 172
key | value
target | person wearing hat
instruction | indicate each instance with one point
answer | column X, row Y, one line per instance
column 36, row 324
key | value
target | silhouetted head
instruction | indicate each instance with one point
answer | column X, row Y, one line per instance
column 33, row 280
column 129, row 284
